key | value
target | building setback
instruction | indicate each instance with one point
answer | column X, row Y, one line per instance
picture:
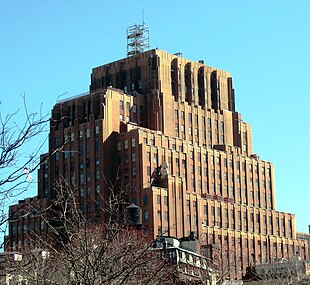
column 167, row 128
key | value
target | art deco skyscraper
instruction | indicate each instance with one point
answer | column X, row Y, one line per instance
column 167, row 128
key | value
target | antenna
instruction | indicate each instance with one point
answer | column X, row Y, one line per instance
column 143, row 17
column 138, row 39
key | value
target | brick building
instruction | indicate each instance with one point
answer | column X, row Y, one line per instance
column 167, row 128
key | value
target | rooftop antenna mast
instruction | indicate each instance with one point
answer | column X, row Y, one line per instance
column 138, row 38
column 143, row 17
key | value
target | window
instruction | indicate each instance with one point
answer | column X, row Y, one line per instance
column 196, row 119
column 146, row 215
column 133, row 171
column 88, row 133
column 97, row 130
column 121, row 104
column 97, row 175
column 166, row 216
column 182, row 115
column 133, row 142
column 166, row 200
column 191, row 154
column 133, row 156
column 81, row 134
column 126, row 144
column 176, row 114
column 81, row 192
column 213, row 211
column 203, row 120
column 72, row 137
column 190, row 117
column 199, row 170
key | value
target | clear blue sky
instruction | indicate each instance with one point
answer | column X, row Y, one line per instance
column 48, row 48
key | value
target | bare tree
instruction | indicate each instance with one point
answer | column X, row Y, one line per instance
column 282, row 272
column 225, row 260
column 18, row 159
column 85, row 253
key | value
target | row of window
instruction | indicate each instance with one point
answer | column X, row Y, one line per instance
column 27, row 227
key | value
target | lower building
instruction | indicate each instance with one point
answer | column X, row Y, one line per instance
column 192, row 267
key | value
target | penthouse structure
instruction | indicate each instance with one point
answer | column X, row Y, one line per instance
column 167, row 128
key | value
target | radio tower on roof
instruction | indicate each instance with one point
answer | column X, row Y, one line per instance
column 138, row 39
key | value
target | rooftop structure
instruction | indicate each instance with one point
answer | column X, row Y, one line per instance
column 138, row 39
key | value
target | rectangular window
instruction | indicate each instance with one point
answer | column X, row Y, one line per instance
column 81, row 192
column 189, row 117
column 176, row 114
column 166, row 216
column 182, row 128
column 166, row 200
column 133, row 142
column 133, row 171
column 133, row 157
column 182, row 115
